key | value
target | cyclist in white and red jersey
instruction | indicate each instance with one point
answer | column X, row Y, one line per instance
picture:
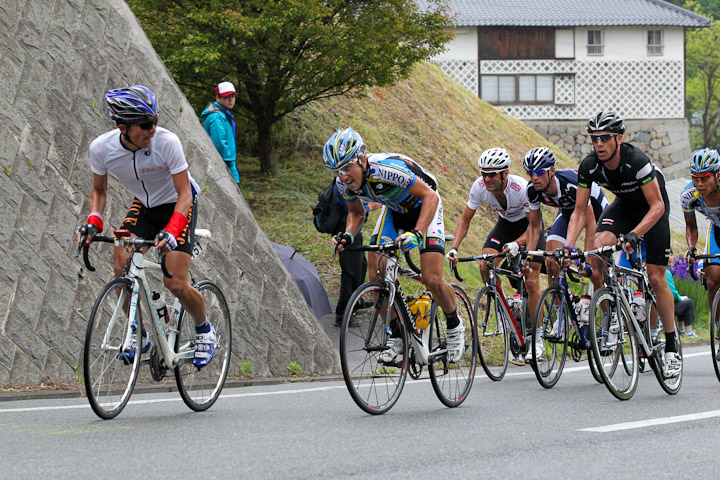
column 507, row 194
column 411, row 213
column 150, row 161
column 641, row 208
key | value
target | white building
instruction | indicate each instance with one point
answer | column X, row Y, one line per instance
column 554, row 63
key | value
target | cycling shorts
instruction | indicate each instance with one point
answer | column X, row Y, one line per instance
column 558, row 229
column 506, row 231
column 145, row 222
column 390, row 224
column 620, row 218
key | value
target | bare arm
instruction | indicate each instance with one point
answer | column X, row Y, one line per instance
column 657, row 207
column 355, row 218
column 691, row 230
column 578, row 217
column 430, row 199
column 462, row 227
column 98, row 194
column 533, row 232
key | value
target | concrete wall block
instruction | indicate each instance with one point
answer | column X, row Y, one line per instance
column 11, row 67
column 9, row 18
column 25, row 371
column 7, row 351
column 26, row 340
column 33, row 23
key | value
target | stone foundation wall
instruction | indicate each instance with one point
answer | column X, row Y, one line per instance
column 666, row 142
column 57, row 59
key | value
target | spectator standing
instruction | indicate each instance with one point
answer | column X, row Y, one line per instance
column 684, row 309
column 220, row 125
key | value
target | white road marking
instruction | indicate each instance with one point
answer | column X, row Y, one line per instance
column 652, row 422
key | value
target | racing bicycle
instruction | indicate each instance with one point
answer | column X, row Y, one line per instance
column 126, row 306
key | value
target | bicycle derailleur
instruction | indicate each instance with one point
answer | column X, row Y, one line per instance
column 158, row 370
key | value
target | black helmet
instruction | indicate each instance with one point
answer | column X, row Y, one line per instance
column 606, row 121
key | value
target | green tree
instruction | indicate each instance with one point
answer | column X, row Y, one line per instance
column 284, row 54
column 702, row 57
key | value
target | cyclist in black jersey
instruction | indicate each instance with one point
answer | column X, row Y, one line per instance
column 641, row 208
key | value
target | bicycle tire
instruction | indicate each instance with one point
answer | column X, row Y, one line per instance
column 200, row 388
column 374, row 386
column 593, row 366
column 452, row 381
column 621, row 382
column 109, row 381
column 493, row 344
column 715, row 334
column 554, row 334
column 670, row 385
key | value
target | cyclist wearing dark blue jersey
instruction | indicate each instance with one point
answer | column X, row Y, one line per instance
column 556, row 187
column 411, row 213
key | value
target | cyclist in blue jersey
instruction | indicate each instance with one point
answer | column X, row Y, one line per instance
column 151, row 163
column 556, row 187
column 641, row 208
column 703, row 195
column 411, row 213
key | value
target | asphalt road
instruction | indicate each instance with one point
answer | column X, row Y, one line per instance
column 508, row 429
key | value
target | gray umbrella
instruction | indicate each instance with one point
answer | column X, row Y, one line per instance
column 306, row 276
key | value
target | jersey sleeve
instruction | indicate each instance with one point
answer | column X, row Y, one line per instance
column 475, row 197
column 534, row 198
column 97, row 163
column 646, row 173
column 584, row 180
column 688, row 198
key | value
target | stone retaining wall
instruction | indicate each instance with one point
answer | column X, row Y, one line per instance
column 666, row 142
column 57, row 59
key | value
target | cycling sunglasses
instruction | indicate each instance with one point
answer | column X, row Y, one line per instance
column 491, row 174
column 345, row 169
column 536, row 173
column 605, row 137
column 149, row 124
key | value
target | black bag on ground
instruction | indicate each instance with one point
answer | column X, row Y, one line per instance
column 328, row 216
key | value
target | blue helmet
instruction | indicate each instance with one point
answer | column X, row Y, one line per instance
column 704, row 161
column 132, row 104
column 539, row 158
column 342, row 148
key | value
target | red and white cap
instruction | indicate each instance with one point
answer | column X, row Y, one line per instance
column 224, row 89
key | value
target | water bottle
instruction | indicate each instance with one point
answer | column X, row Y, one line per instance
column 582, row 309
column 638, row 306
column 517, row 305
column 161, row 307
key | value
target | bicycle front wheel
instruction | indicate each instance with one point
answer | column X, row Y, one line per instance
column 492, row 335
column 614, row 345
column 715, row 334
column 109, row 380
column 555, row 325
column 200, row 388
column 452, row 380
column 374, row 384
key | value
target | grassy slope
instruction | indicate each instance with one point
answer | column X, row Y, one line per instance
column 427, row 117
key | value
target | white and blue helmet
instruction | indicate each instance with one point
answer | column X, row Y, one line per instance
column 539, row 158
column 343, row 148
column 704, row 161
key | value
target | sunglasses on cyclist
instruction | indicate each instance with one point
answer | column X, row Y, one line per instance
column 344, row 170
column 605, row 137
column 536, row 173
column 491, row 174
column 149, row 124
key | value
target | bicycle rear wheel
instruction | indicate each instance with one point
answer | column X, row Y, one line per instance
column 452, row 381
column 109, row 381
column 200, row 388
column 715, row 334
column 554, row 335
column 614, row 345
column 375, row 386
column 492, row 335
column 670, row 385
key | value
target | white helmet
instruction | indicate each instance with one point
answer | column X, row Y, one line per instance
column 495, row 158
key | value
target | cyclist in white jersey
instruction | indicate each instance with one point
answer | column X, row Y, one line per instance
column 703, row 195
column 506, row 194
column 150, row 161
column 412, row 214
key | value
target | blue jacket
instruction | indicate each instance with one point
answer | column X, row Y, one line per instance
column 220, row 125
